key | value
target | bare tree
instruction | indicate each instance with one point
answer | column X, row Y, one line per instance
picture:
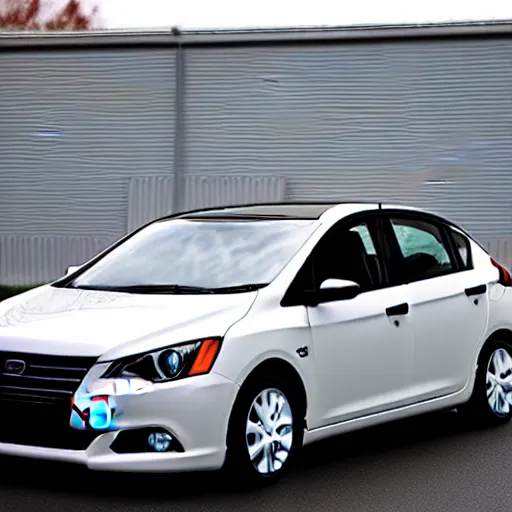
column 27, row 15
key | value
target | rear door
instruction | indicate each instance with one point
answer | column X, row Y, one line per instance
column 448, row 300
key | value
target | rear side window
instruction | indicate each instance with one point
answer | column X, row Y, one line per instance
column 463, row 248
column 423, row 249
column 363, row 231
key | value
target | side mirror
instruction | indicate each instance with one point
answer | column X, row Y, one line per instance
column 332, row 290
column 71, row 270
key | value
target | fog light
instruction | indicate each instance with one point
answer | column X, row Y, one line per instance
column 160, row 441
column 144, row 440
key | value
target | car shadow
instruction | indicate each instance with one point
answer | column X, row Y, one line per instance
column 382, row 441
column 385, row 440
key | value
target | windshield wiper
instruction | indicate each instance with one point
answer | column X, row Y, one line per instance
column 241, row 288
column 172, row 288
column 148, row 289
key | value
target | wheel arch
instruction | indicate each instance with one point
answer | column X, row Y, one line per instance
column 477, row 407
column 499, row 334
column 281, row 368
column 502, row 333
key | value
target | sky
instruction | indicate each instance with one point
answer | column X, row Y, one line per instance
column 235, row 14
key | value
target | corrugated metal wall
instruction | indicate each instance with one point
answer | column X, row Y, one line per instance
column 427, row 122
column 75, row 126
column 152, row 196
column 40, row 259
column 87, row 136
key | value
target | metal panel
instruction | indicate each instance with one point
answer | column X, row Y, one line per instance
column 423, row 122
column 209, row 191
column 74, row 127
column 26, row 260
column 151, row 197
column 501, row 249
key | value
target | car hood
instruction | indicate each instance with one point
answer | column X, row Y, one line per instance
column 62, row 321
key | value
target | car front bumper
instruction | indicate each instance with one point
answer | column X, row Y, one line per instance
column 195, row 411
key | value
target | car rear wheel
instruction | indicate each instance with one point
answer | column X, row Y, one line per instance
column 491, row 402
column 265, row 431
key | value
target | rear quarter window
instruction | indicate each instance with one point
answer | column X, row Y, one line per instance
column 463, row 247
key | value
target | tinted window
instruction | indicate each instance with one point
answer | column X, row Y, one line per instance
column 204, row 253
column 423, row 249
column 463, row 247
column 348, row 254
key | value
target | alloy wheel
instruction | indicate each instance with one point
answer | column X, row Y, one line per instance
column 269, row 431
column 499, row 382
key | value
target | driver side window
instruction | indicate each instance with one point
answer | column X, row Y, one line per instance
column 348, row 254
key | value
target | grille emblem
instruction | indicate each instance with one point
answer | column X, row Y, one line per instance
column 15, row 366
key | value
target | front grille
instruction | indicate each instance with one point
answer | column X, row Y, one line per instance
column 36, row 405
column 49, row 380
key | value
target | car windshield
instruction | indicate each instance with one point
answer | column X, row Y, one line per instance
column 199, row 255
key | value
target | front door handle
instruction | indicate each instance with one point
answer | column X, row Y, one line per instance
column 476, row 290
column 400, row 309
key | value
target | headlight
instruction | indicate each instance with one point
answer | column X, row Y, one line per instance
column 171, row 363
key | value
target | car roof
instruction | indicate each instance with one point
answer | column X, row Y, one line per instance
column 323, row 211
column 328, row 211
column 292, row 211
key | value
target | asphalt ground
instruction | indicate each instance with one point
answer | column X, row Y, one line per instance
column 430, row 463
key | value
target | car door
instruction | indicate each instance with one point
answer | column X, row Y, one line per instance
column 363, row 347
column 448, row 302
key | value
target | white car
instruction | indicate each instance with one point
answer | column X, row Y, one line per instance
column 230, row 337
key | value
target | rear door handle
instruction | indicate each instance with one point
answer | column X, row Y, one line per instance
column 399, row 309
column 476, row 290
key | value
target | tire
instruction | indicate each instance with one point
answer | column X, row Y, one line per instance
column 490, row 405
column 254, row 472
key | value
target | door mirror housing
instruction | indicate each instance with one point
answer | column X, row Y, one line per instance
column 333, row 290
column 71, row 270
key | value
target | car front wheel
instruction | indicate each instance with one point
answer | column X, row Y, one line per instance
column 265, row 431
